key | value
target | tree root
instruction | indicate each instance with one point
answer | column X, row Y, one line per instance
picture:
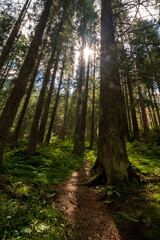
column 99, row 179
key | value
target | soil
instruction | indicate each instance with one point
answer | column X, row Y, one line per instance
column 86, row 211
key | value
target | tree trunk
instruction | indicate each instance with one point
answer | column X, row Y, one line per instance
column 17, row 130
column 144, row 115
column 84, row 109
column 78, row 149
column 33, row 136
column 133, row 110
column 128, row 109
column 55, row 107
column 141, row 99
column 140, row 117
column 6, row 73
column 93, row 109
column 112, row 152
column 65, row 111
column 42, row 127
column 6, row 49
column 153, row 110
column 127, row 134
column 10, row 109
column 156, row 105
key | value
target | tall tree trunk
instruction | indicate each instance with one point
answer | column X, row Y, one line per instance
column 127, row 109
column 10, row 109
column 17, row 130
column 42, row 127
column 77, row 136
column 153, row 110
column 140, row 117
column 127, row 134
column 93, row 108
column 6, row 73
column 6, row 49
column 65, row 110
column 33, row 136
column 156, row 105
column 144, row 115
column 112, row 152
column 55, row 107
column 84, row 110
column 141, row 99
column 133, row 110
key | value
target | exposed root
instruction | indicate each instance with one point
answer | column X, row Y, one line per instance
column 99, row 179
column 132, row 175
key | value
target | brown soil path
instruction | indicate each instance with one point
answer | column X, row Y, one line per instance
column 84, row 209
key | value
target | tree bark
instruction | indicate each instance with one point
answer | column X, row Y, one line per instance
column 33, row 136
column 144, row 115
column 133, row 110
column 42, row 127
column 84, row 110
column 6, row 74
column 17, row 130
column 12, row 104
column 128, row 109
column 65, row 110
column 156, row 105
column 78, row 150
column 93, row 109
column 6, row 49
column 112, row 154
column 55, row 107
column 127, row 133
column 141, row 99
column 153, row 110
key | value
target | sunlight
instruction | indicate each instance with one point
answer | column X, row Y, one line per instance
column 87, row 52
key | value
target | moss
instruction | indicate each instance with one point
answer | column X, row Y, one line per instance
column 27, row 210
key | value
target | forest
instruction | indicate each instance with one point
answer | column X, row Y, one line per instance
column 80, row 119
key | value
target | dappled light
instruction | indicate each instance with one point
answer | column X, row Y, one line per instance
column 79, row 120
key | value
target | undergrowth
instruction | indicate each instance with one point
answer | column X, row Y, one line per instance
column 136, row 205
column 27, row 195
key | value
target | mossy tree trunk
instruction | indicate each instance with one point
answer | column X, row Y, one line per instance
column 112, row 154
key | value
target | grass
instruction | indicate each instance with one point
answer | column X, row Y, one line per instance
column 138, row 206
column 146, row 159
column 27, row 197
column 27, row 209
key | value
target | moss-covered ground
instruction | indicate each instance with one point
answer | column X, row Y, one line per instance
column 27, row 194
column 136, row 209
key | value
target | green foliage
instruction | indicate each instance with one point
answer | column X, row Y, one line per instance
column 90, row 156
column 128, row 217
column 145, row 157
column 27, row 209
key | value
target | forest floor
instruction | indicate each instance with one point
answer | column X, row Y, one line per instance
column 47, row 197
column 91, row 217
column 84, row 208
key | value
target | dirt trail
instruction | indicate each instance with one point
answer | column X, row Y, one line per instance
column 84, row 209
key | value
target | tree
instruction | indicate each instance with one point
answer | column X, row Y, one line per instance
column 12, row 104
column 56, row 104
column 11, row 39
column 112, row 154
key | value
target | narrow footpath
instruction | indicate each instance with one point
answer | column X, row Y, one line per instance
column 84, row 208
